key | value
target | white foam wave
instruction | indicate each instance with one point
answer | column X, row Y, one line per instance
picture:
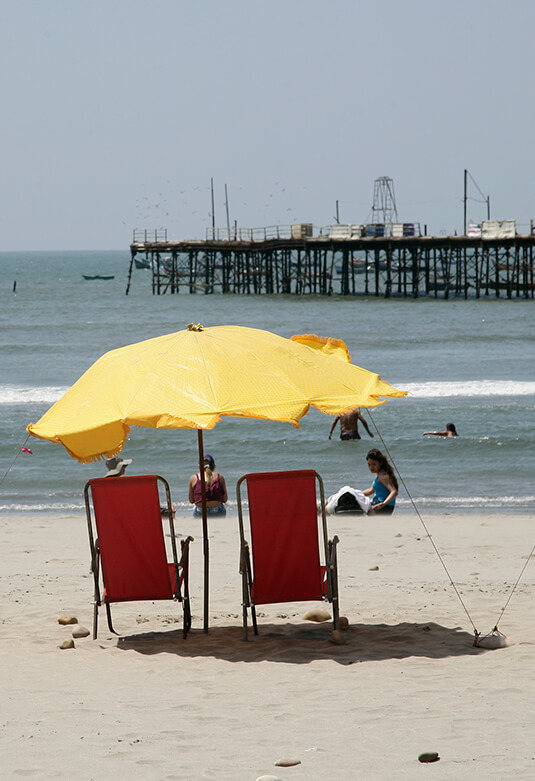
column 423, row 504
column 41, row 507
column 468, row 501
column 11, row 394
column 469, row 388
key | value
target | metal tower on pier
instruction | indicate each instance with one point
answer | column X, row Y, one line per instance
column 384, row 208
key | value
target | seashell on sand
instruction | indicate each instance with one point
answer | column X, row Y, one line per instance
column 317, row 614
column 268, row 778
column 337, row 637
column 287, row 762
column 67, row 620
column 68, row 643
column 80, row 631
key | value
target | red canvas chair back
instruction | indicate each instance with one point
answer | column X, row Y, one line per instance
column 130, row 535
column 284, row 537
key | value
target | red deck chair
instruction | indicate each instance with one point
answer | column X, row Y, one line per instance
column 283, row 562
column 128, row 547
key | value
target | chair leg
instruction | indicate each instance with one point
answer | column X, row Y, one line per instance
column 245, row 628
column 95, row 619
column 336, row 615
column 184, row 564
column 253, row 616
column 186, row 621
column 245, row 567
column 95, row 569
column 108, row 614
column 333, row 567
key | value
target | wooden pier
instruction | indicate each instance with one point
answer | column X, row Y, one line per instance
column 408, row 267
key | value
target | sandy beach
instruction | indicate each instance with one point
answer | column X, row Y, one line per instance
column 154, row 706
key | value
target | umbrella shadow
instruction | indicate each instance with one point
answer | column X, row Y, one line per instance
column 304, row 643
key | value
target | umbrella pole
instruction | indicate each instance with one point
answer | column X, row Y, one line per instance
column 206, row 552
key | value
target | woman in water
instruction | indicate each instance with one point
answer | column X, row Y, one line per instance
column 385, row 486
column 216, row 490
column 449, row 431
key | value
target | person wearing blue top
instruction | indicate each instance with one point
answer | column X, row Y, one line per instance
column 385, row 486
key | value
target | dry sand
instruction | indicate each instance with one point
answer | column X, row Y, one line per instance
column 151, row 705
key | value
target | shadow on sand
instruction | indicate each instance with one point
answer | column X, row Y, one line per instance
column 304, row 643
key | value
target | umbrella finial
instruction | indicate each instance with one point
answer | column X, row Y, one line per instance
column 193, row 327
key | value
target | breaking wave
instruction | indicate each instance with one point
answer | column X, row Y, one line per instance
column 11, row 394
column 469, row 388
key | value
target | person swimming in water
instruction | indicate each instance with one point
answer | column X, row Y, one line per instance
column 449, row 431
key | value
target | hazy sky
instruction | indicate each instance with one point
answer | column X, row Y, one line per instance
column 117, row 113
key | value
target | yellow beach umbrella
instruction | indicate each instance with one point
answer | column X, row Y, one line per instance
column 193, row 378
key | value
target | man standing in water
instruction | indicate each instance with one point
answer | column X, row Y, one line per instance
column 349, row 425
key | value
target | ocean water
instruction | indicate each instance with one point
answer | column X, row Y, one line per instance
column 467, row 362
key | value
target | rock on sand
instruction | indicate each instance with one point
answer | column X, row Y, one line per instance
column 337, row 637
column 317, row 614
column 80, row 631
column 67, row 620
column 429, row 756
column 494, row 640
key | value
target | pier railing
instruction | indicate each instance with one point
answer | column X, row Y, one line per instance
column 308, row 231
column 249, row 234
column 144, row 236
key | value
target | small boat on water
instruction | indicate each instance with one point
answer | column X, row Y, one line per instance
column 360, row 266
column 98, row 276
column 141, row 263
column 354, row 265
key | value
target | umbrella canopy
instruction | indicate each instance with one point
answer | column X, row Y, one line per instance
column 193, row 378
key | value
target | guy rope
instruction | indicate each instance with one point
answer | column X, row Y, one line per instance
column 478, row 638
